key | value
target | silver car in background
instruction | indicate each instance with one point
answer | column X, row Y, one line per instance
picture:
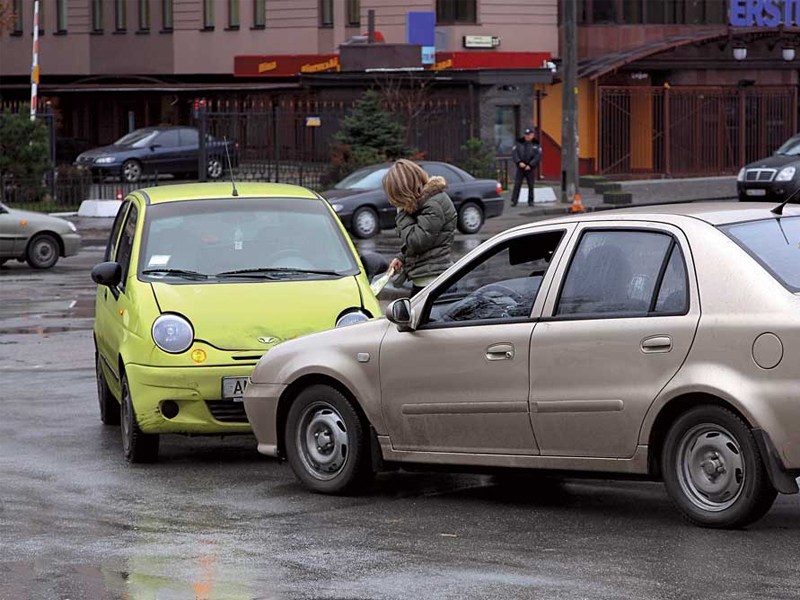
column 661, row 342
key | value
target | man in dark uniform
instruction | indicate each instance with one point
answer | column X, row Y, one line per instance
column 526, row 154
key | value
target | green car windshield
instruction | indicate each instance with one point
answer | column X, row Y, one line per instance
column 227, row 239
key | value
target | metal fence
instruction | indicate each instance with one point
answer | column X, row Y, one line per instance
column 268, row 136
column 691, row 131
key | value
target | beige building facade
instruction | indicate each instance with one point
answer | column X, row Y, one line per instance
column 191, row 37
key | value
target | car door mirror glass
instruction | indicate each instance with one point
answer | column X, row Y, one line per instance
column 399, row 313
column 155, row 146
column 107, row 273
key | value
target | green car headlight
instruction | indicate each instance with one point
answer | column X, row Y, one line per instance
column 172, row 333
column 352, row 317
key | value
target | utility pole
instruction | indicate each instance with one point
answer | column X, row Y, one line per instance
column 35, row 61
column 569, row 100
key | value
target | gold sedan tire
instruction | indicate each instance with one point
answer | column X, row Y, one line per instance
column 326, row 442
column 713, row 469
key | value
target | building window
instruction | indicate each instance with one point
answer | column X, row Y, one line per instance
column 97, row 16
column 166, row 15
column 326, row 13
column 61, row 16
column 16, row 11
column 144, row 15
column 208, row 14
column 120, row 15
column 233, row 14
column 456, row 11
column 669, row 12
column 354, row 13
column 259, row 14
column 505, row 128
column 42, row 13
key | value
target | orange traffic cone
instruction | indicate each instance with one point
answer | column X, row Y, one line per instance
column 577, row 205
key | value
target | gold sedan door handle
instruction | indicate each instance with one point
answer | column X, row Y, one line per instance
column 656, row 344
column 500, row 352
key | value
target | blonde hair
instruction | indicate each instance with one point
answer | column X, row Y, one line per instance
column 404, row 184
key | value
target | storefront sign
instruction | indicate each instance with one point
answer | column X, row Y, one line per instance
column 489, row 60
column 481, row 41
column 765, row 13
column 288, row 65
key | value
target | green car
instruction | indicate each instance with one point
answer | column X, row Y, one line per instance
column 36, row 238
column 199, row 282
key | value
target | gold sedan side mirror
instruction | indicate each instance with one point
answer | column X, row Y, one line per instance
column 399, row 313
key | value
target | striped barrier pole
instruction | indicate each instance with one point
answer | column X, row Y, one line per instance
column 35, row 65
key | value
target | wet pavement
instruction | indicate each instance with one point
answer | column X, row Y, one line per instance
column 213, row 519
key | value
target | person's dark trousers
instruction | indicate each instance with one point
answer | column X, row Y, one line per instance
column 530, row 177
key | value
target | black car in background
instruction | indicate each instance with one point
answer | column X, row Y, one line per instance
column 362, row 206
column 162, row 150
column 774, row 178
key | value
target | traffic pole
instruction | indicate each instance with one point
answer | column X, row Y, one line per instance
column 569, row 101
column 35, row 64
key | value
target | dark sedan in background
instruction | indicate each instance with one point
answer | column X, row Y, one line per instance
column 774, row 178
column 362, row 206
column 161, row 150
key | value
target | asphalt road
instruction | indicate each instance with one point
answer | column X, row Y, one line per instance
column 213, row 519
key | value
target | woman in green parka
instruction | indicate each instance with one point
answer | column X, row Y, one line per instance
column 426, row 222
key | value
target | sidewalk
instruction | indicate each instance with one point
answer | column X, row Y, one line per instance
column 645, row 192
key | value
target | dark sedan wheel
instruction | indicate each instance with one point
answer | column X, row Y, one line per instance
column 109, row 407
column 42, row 251
column 137, row 447
column 215, row 168
column 713, row 470
column 470, row 218
column 131, row 171
column 365, row 223
column 326, row 442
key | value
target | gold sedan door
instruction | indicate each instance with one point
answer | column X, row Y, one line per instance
column 619, row 326
column 460, row 381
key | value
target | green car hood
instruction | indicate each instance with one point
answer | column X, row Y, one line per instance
column 233, row 316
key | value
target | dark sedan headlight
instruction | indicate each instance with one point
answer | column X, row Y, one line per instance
column 786, row 174
column 105, row 160
column 352, row 317
column 337, row 207
column 740, row 176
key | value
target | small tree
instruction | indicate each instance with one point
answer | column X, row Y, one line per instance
column 478, row 159
column 368, row 135
column 24, row 150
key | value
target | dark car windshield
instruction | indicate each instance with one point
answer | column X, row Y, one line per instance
column 136, row 139
column 790, row 147
column 775, row 243
column 230, row 239
column 363, row 179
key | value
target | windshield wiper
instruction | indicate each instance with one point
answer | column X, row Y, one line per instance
column 179, row 272
column 272, row 271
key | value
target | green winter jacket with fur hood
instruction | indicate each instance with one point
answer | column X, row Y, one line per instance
column 427, row 234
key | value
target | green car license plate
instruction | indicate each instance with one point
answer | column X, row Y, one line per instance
column 233, row 388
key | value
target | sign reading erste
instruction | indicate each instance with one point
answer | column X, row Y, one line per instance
column 764, row 13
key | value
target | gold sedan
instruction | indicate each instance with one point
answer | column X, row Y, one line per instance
column 659, row 342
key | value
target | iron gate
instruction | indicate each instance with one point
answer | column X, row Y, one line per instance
column 691, row 131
